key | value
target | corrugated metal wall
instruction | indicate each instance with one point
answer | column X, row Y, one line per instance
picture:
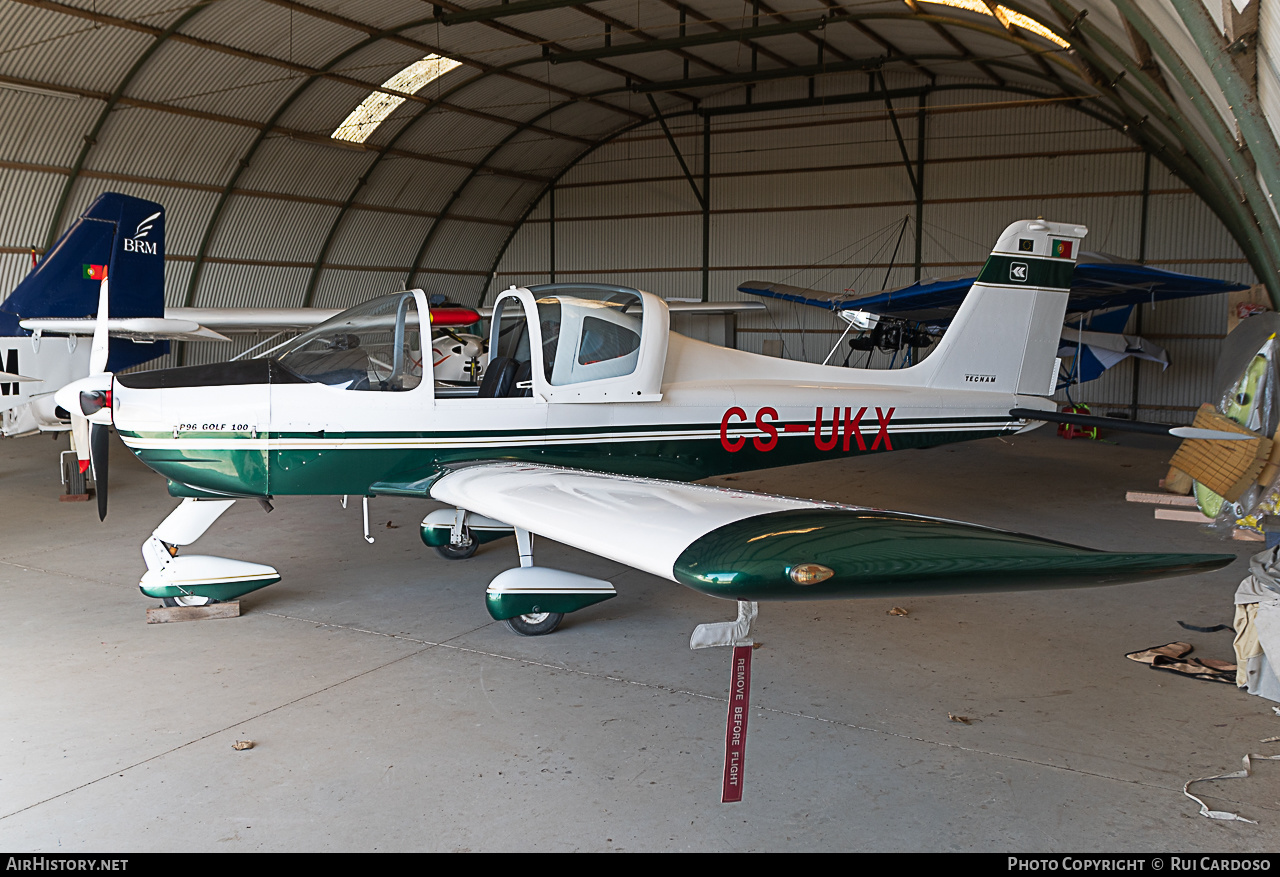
column 819, row 197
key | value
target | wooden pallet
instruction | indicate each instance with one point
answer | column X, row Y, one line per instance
column 1185, row 509
column 167, row 614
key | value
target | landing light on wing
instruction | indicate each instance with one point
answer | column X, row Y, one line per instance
column 810, row 573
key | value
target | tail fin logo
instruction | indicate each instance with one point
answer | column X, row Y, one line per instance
column 1018, row 272
column 136, row 244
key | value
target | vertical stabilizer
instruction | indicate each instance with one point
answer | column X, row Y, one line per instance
column 1005, row 336
column 120, row 237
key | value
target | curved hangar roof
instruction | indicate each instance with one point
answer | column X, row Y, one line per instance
column 412, row 137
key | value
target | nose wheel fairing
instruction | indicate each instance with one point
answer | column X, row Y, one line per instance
column 170, row 575
column 215, row 578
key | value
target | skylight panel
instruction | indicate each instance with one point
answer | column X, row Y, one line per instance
column 1006, row 16
column 365, row 118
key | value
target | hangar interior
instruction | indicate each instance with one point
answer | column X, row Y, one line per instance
column 315, row 154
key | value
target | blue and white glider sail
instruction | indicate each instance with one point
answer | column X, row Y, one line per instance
column 1103, row 286
column 1100, row 282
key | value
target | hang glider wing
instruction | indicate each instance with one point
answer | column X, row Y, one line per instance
column 1100, row 282
column 748, row 546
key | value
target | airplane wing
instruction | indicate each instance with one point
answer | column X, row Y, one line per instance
column 285, row 319
column 135, row 328
column 203, row 324
column 253, row 319
column 749, row 546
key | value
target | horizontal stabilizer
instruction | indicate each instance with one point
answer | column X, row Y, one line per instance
column 749, row 546
column 9, row 378
column 1143, row 426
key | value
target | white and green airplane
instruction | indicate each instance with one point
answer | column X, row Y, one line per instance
column 590, row 423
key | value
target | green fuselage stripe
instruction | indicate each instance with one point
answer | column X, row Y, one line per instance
column 259, row 469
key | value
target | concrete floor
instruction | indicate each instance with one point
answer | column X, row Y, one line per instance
column 390, row 713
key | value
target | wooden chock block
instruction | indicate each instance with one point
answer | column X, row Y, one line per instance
column 1159, row 498
column 1177, row 482
column 1193, row 516
column 166, row 614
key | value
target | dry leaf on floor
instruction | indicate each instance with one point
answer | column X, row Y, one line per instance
column 964, row 720
column 241, row 745
column 897, row 610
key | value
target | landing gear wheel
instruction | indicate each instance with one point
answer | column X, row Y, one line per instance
column 459, row 552
column 536, row 624
column 76, row 484
column 187, row 600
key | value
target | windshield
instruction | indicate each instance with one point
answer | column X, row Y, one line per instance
column 373, row 346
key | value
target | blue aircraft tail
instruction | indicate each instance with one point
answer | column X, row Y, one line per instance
column 119, row 236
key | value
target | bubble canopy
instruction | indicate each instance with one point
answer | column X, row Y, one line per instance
column 376, row 346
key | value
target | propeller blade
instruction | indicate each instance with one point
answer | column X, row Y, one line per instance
column 98, row 353
column 100, row 454
column 1213, row 435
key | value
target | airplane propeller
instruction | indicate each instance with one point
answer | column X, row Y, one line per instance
column 88, row 401
column 99, row 454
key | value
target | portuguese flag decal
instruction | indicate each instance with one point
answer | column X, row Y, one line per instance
column 95, row 272
column 1062, row 249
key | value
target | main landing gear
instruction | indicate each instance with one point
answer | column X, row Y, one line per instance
column 456, row 534
column 531, row 600
column 196, row 579
column 535, row 623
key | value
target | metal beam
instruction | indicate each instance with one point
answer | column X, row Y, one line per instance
column 504, row 10
column 958, row 46
column 851, row 66
column 857, row 22
column 396, row 35
column 706, row 208
column 657, row 113
column 708, row 113
column 741, row 35
column 1256, row 133
column 897, row 132
column 921, row 102
column 610, row 23
column 1257, row 232
column 91, row 139
column 550, row 45
column 702, row 18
